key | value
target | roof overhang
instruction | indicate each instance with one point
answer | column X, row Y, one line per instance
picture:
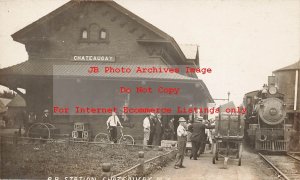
column 29, row 70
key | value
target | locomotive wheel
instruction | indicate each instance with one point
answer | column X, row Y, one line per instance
column 126, row 139
column 102, row 138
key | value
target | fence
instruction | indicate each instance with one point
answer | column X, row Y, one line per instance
column 146, row 167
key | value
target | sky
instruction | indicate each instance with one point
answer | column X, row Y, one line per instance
column 242, row 41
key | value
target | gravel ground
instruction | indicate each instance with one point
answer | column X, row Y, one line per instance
column 253, row 168
column 62, row 160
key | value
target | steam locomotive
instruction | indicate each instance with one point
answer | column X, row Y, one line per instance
column 266, row 128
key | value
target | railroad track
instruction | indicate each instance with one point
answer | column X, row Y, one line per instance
column 294, row 156
column 287, row 166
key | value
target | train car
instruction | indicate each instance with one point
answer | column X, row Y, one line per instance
column 266, row 128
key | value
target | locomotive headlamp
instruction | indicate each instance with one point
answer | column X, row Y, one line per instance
column 272, row 90
column 273, row 111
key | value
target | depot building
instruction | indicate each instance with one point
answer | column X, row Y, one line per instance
column 63, row 45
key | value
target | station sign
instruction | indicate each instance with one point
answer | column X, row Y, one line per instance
column 100, row 58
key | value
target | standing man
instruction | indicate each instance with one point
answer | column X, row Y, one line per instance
column 198, row 133
column 204, row 139
column 152, row 121
column 172, row 128
column 112, row 124
column 6, row 119
column 158, row 131
column 181, row 143
column 147, row 126
column 203, row 136
column 24, row 120
column 46, row 117
column 31, row 118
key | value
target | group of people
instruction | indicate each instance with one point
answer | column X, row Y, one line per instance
column 24, row 119
column 198, row 138
column 29, row 118
column 196, row 128
column 153, row 125
column 153, row 129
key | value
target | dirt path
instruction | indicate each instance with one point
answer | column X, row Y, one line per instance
column 253, row 168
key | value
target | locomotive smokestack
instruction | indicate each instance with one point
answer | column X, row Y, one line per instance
column 271, row 81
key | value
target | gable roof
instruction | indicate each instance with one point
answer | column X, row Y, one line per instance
column 223, row 107
column 17, row 36
column 17, row 101
column 295, row 66
column 78, row 69
column 5, row 101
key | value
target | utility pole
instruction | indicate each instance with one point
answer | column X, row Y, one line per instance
column 222, row 99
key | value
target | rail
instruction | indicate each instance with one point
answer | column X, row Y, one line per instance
column 273, row 166
column 294, row 157
column 135, row 167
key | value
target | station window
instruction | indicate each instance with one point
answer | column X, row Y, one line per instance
column 103, row 34
column 93, row 34
column 84, row 34
column 94, row 30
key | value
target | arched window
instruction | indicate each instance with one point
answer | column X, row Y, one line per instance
column 103, row 34
column 84, row 34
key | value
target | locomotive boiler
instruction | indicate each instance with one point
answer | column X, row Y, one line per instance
column 265, row 121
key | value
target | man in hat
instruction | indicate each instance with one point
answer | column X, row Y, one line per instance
column 198, row 136
column 181, row 143
column 148, row 124
column 204, row 139
column 46, row 116
column 158, row 130
column 172, row 129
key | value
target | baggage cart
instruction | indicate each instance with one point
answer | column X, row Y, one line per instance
column 228, row 138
